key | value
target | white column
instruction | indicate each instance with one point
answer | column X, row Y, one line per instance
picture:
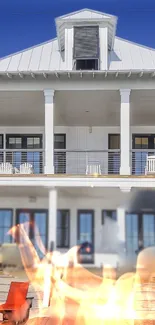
column 69, row 48
column 125, row 131
column 52, row 218
column 121, row 224
column 103, row 33
column 49, row 131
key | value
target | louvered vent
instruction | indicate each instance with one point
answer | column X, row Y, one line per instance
column 86, row 42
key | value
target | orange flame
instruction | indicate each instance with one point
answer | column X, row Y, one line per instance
column 73, row 295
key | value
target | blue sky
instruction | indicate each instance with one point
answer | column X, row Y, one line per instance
column 24, row 23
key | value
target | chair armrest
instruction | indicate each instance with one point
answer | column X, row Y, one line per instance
column 31, row 300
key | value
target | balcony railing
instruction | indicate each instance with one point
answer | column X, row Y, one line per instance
column 139, row 159
column 16, row 159
column 80, row 162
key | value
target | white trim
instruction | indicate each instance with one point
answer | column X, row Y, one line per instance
column 117, row 182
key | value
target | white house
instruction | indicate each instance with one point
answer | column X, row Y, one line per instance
column 77, row 125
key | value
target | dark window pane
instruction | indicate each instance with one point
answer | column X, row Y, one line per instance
column 1, row 141
column 114, row 141
column 40, row 220
column 110, row 214
column 59, row 141
column 62, row 228
column 24, row 217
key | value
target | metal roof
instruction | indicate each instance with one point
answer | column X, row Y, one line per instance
column 46, row 57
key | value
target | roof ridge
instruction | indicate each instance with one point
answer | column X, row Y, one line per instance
column 27, row 49
column 82, row 10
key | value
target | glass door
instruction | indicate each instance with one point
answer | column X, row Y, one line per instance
column 35, row 225
column 132, row 236
column 143, row 145
column 140, row 233
column 86, row 236
column 148, row 230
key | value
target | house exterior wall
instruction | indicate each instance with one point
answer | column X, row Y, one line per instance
column 82, row 139
column 105, row 236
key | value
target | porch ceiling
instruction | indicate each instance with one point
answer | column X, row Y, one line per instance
column 76, row 108
column 23, row 191
column 92, row 192
column 21, row 108
column 143, row 107
column 86, row 108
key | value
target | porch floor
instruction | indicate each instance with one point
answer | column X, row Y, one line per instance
column 76, row 176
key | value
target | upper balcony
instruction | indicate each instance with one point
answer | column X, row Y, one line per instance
column 86, row 136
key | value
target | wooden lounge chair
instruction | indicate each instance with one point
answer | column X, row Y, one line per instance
column 17, row 297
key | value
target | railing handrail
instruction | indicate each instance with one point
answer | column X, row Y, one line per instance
column 143, row 150
column 87, row 150
column 21, row 150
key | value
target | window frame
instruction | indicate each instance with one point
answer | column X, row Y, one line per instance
column 68, row 211
column 11, row 210
column 24, row 137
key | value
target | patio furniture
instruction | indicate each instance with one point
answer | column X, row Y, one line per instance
column 17, row 297
column 6, row 168
column 150, row 165
column 93, row 169
column 16, row 170
column 26, row 168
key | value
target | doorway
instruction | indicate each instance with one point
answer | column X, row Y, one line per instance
column 140, row 232
column 142, row 145
column 36, row 222
column 85, row 235
column 60, row 153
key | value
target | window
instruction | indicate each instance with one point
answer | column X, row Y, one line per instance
column 86, row 47
column 25, row 142
column 114, row 141
column 59, row 141
column 63, row 225
column 1, row 142
column 35, row 220
column 5, row 225
column 112, row 214
column 91, row 64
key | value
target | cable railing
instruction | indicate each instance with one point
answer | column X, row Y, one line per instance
column 80, row 162
column 139, row 160
column 21, row 161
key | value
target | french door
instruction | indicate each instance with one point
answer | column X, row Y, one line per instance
column 36, row 227
column 86, row 235
column 140, row 232
column 142, row 146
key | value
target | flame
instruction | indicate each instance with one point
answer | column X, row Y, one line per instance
column 70, row 294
